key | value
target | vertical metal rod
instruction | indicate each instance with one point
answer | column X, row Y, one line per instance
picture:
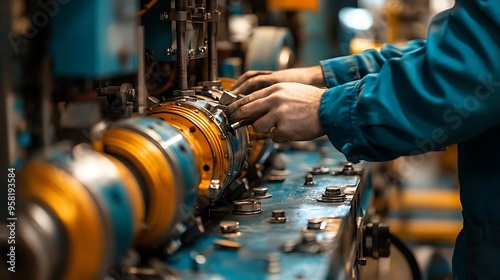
column 181, row 5
column 141, row 84
column 46, row 104
column 212, row 42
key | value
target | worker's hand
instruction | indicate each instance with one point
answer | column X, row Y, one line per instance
column 254, row 80
column 288, row 111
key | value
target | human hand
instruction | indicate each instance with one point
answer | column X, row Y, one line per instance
column 253, row 80
column 289, row 111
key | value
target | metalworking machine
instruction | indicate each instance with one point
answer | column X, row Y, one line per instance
column 137, row 172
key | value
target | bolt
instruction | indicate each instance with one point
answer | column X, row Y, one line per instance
column 314, row 223
column 260, row 191
column 278, row 216
column 164, row 16
column 333, row 194
column 214, row 184
column 332, row 191
column 309, row 180
column 169, row 51
column 214, row 188
column 198, row 262
column 348, row 169
column 278, row 213
column 247, row 207
column 229, row 227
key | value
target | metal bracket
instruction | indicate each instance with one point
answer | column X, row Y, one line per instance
column 214, row 16
column 175, row 16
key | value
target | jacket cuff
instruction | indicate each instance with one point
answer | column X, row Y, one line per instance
column 339, row 70
column 337, row 118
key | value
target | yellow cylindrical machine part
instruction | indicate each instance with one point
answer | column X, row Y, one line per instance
column 227, row 83
column 157, row 173
column 203, row 136
column 74, row 206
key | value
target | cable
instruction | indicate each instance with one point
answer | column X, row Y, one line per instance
column 410, row 258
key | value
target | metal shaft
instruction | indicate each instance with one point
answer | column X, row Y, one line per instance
column 141, row 88
column 212, row 42
column 181, row 6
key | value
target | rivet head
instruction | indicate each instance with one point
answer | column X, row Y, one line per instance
column 247, row 207
column 332, row 191
column 309, row 180
column 314, row 223
column 260, row 191
column 278, row 213
column 229, row 226
column 278, row 216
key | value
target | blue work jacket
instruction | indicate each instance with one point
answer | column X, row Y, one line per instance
column 422, row 97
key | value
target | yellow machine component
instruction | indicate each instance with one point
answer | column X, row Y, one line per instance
column 258, row 143
column 74, row 206
column 134, row 193
column 204, row 137
column 156, row 171
column 294, row 5
column 227, row 83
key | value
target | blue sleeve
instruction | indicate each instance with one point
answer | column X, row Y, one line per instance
column 442, row 93
column 340, row 70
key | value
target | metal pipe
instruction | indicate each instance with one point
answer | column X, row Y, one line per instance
column 181, row 6
column 212, row 42
column 141, row 88
column 46, row 104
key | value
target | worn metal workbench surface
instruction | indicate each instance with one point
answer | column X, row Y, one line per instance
column 261, row 255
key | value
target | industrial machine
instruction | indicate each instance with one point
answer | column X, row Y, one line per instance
column 126, row 166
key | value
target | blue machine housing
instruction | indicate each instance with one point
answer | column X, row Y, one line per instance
column 159, row 36
column 94, row 39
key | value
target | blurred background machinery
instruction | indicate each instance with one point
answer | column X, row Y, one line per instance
column 126, row 166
